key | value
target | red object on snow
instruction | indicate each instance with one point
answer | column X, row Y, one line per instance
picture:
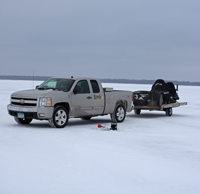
column 101, row 126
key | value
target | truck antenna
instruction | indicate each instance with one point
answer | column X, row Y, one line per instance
column 33, row 78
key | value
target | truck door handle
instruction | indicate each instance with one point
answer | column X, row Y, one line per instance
column 89, row 97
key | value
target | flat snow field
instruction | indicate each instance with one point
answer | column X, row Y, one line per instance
column 148, row 154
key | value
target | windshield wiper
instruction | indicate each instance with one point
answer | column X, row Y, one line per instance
column 52, row 88
column 48, row 88
column 40, row 88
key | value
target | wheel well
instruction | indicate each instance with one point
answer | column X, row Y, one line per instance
column 66, row 105
column 124, row 103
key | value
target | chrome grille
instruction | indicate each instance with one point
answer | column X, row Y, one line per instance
column 24, row 101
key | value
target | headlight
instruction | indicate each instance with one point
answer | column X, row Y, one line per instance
column 45, row 102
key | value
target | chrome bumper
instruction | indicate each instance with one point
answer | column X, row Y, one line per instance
column 41, row 112
column 21, row 109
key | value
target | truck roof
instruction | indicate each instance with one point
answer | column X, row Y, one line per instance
column 74, row 78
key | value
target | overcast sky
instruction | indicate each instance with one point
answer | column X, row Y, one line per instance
column 131, row 39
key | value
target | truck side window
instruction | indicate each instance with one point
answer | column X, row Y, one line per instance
column 84, row 84
column 95, row 86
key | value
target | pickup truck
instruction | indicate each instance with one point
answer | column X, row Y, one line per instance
column 59, row 99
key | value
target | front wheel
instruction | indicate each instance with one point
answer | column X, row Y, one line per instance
column 22, row 121
column 120, row 113
column 60, row 117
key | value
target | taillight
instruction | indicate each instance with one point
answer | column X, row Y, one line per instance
column 132, row 97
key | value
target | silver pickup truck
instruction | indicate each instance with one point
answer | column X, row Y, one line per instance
column 58, row 99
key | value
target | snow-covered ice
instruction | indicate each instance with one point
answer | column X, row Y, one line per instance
column 148, row 154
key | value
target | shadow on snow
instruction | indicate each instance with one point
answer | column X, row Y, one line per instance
column 72, row 122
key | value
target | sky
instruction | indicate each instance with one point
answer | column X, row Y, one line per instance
column 129, row 39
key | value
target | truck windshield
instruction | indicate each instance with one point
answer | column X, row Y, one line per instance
column 57, row 84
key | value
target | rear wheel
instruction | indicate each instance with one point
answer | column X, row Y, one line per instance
column 137, row 111
column 60, row 117
column 22, row 121
column 168, row 112
column 120, row 113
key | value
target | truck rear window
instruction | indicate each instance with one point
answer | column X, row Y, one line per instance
column 95, row 86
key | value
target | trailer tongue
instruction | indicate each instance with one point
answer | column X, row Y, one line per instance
column 173, row 105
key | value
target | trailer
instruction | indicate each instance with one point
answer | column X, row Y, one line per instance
column 165, row 107
column 162, row 96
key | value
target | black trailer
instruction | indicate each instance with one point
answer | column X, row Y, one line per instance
column 162, row 96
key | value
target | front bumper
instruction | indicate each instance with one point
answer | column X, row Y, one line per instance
column 31, row 112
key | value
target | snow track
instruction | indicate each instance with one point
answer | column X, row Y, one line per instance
column 149, row 153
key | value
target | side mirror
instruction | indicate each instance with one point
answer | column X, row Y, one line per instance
column 36, row 87
column 78, row 90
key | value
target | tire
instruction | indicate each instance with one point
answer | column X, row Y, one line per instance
column 120, row 113
column 22, row 121
column 60, row 117
column 86, row 118
column 137, row 111
column 168, row 112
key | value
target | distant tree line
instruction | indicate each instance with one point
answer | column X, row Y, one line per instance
column 143, row 81
column 22, row 77
column 125, row 81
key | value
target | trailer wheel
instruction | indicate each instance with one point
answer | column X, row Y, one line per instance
column 60, row 117
column 22, row 121
column 137, row 111
column 168, row 112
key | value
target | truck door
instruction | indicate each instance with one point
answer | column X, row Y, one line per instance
column 82, row 101
column 98, row 98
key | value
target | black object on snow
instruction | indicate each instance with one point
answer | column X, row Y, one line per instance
column 113, row 126
column 161, row 93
